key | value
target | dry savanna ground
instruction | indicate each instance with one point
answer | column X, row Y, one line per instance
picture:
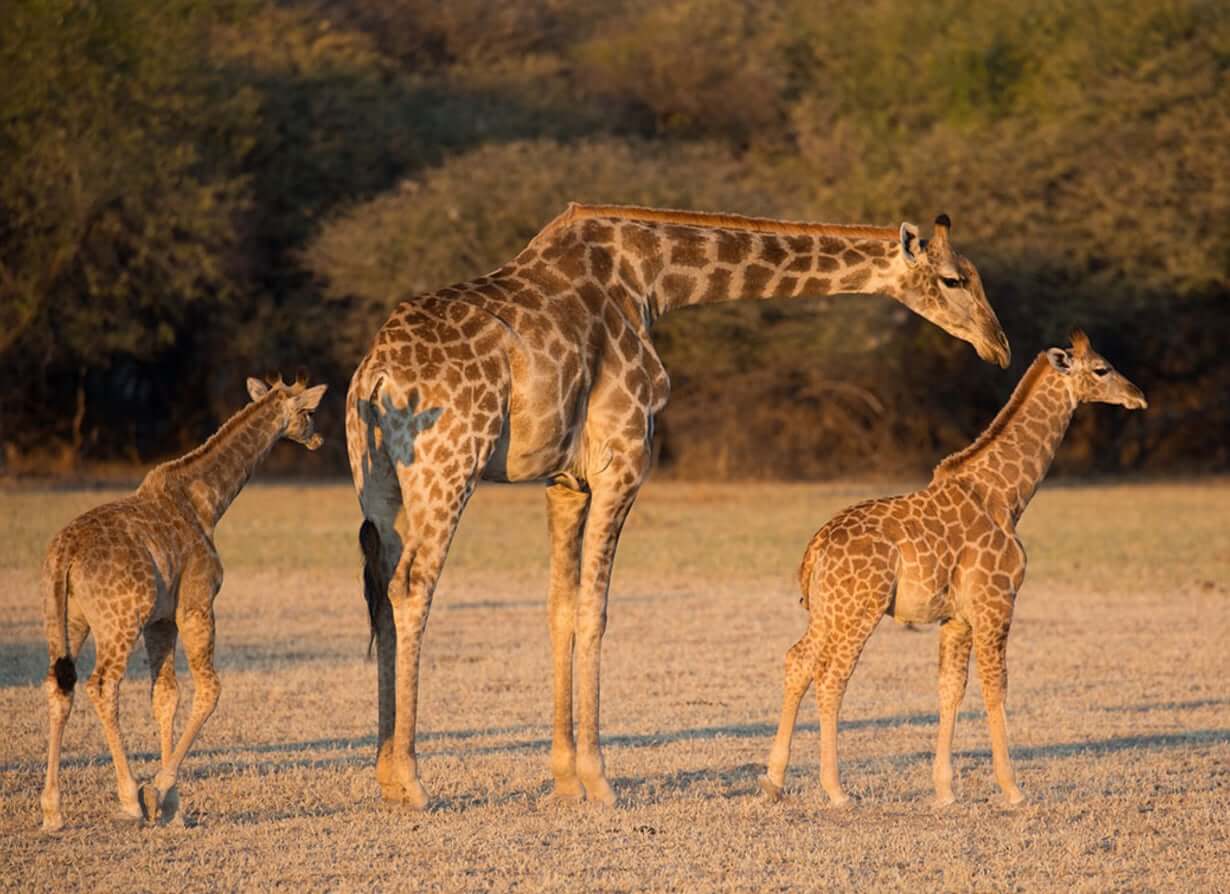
column 1119, row 711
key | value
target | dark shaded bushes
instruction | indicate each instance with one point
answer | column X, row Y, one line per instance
column 193, row 194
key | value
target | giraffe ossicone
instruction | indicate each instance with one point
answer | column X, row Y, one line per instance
column 947, row 553
column 545, row 370
column 146, row 564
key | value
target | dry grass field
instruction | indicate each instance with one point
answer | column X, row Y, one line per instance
column 1119, row 711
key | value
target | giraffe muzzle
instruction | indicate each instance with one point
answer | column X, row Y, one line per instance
column 994, row 348
column 1135, row 399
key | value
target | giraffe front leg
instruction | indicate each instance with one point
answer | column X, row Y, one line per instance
column 955, row 644
column 990, row 649
column 566, row 511
column 160, row 639
column 164, row 691
column 196, row 627
column 613, row 494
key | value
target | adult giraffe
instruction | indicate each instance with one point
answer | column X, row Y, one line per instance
column 544, row 370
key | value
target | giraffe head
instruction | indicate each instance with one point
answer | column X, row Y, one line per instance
column 296, row 403
column 1090, row 378
column 941, row 285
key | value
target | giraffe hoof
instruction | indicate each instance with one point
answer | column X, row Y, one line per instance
column 771, row 789
column 412, row 798
column 1015, row 799
column 122, row 817
column 166, row 807
column 52, row 824
column 148, row 796
column 599, row 792
column 942, row 801
column 565, row 794
column 841, row 802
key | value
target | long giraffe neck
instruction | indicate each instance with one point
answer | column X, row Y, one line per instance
column 1011, row 457
column 672, row 259
column 215, row 473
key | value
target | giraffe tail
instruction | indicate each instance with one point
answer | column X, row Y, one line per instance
column 373, row 589
column 55, row 612
column 815, row 553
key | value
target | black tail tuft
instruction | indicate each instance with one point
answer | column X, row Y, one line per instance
column 66, row 674
column 373, row 591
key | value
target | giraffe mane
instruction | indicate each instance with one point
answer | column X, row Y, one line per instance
column 577, row 211
column 224, row 432
column 952, row 463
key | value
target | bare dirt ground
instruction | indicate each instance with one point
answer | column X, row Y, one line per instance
column 1119, row 711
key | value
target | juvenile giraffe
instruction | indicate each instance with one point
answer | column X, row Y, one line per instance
column 545, row 370
column 146, row 564
column 947, row 553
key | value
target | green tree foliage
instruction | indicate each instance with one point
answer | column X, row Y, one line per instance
column 192, row 192
column 113, row 199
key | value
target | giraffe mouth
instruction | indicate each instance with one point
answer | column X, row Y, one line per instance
column 995, row 349
column 314, row 442
column 1135, row 400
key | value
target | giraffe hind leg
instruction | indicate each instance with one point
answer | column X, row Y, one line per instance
column 844, row 644
column 802, row 662
column 381, row 546
column 103, row 687
column 59, row 689
column 433, row 499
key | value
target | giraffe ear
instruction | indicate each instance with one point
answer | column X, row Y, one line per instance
column 310, row 399
column 911, row 245
column 1060, row 359
column 257, row 389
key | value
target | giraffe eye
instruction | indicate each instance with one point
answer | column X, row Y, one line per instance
column 1101, row 371
column 950, row 281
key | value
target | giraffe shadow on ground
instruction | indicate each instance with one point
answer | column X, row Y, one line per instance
column 452, row 744
column 716, row 782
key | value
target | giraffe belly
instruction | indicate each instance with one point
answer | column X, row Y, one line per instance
column 919, row 601
column 544, row 454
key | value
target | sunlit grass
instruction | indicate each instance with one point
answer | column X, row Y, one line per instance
column 1117, row 710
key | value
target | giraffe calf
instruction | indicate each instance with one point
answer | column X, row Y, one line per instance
column 947, row 553
column 146, row 564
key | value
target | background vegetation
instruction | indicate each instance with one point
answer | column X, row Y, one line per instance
column 192, row 192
